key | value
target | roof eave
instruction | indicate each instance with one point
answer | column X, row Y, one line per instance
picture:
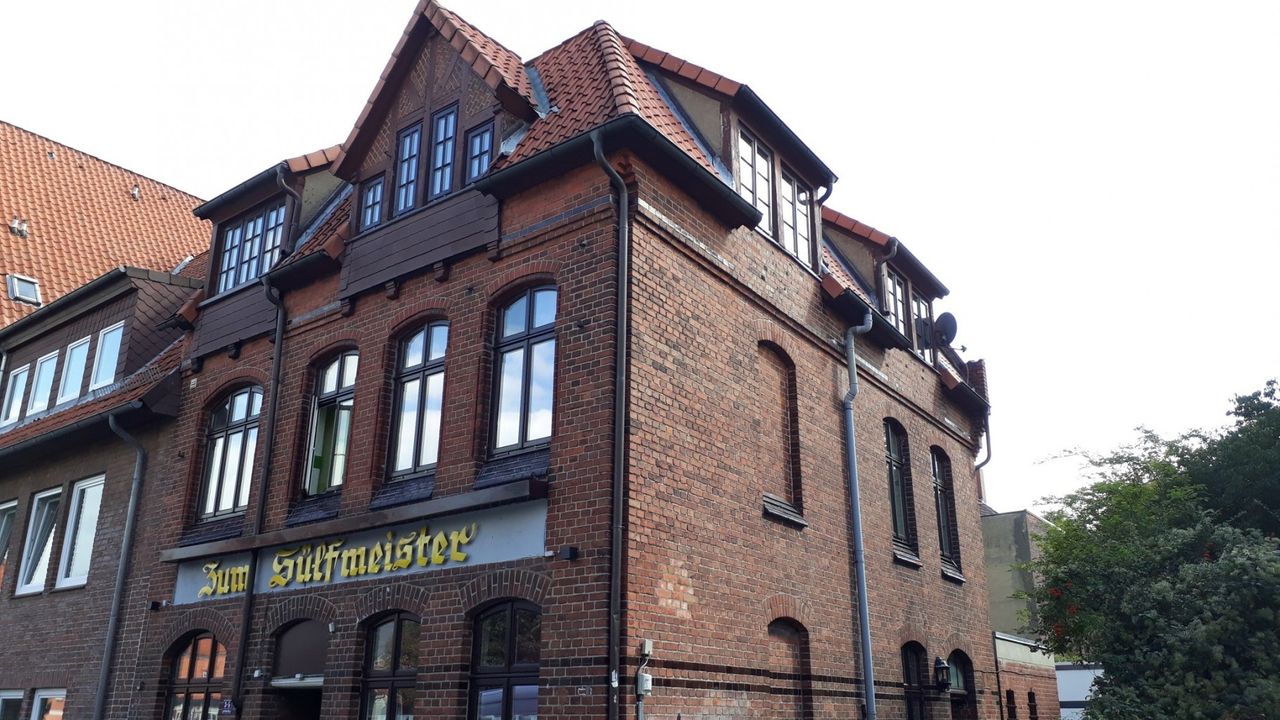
column 626, row 131
column 854, row 309
column 264, row 180
column 798, row 147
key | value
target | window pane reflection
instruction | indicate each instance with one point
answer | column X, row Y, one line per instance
column 490, row 704
column 541, row 381
column 524, row 702
column 510, row 397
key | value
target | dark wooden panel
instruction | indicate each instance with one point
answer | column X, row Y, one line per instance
column 240, row 315
column 412, row 243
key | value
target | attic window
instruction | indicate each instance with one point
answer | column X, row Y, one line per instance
column 479, row 151
column 444, row 132
column 24, row 289
column 755, row 178
column 250, row 245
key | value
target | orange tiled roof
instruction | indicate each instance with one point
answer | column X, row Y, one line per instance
column 330, row 236
column 836, row 269
column 314, row 160
column 126, row 390
column 848, row 224
column 590, row 79
column 82, row 218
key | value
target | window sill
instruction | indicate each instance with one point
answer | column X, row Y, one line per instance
column 218, row 528
column 30, row 592
column 526, row 464
column 313, row 508
column 952, row 573
column 404, row 490
column 779, row 510
column 906, row 556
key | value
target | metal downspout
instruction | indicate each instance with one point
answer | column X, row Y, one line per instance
column 855, row 516
column 619, row 422
column 268, row 448
column 122, row 568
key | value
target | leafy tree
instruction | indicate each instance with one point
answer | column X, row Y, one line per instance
column 1161, row 570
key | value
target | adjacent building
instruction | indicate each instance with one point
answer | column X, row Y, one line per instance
column 70, row 217
column 524, row 401
column 1028, row 674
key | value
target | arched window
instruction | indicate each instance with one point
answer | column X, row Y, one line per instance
column 915, row 676
column 945, row 502
column 1011, row 705
column 331, row 423
column 196, row 689
column 415, row 446
column 898, row 462
column 391, row 668
column 506, row 651
column 778, row 447
column 964, row 704
column 1033, row 712
column 525, row 373
column 789, row 663
column 230, row 448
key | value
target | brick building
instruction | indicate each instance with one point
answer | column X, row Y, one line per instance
column 531, row 392
column 69, row 217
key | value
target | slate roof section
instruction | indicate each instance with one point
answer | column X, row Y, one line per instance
column 82, row 218
column 124, row 391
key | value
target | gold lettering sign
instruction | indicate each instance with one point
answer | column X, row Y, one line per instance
column 224, row 580
column 323, row 562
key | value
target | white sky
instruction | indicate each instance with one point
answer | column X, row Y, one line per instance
column 1096, row 182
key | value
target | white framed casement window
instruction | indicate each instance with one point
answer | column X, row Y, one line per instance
column 10, row 704
column 8, row 515
column 42, row 385
column 107, row 356
column 14, row 392
column 49, row 704
column 73, row 370
column 36, row 551
column 24, row 289
column 82, row 526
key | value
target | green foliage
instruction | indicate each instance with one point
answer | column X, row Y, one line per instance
column 1163, row 572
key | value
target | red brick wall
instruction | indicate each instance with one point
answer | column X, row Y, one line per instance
column 1022, row 679
column 708, row 570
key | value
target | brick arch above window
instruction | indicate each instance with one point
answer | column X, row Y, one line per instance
column 503, row 584
column 244, row 377
column 519, row 278
column 300, row 607
column 398, row 597
column 181, row 627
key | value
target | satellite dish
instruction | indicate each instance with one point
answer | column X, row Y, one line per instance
column 944, row 328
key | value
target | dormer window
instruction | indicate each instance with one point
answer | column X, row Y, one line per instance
column 922, row 327
column 15, row 391
column 408, row 149
column 755, row 178
column 371, row 203
column 795, row 212
column 250, row 245
column 911, row 312
column 479, row 151
column 444, row 131
column 895, row 299
column 23, row 289
column 107, row 356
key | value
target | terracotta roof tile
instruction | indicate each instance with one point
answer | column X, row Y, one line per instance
column 313, row 160
column 836, row 270
column 198, row 268
column 848, row 224
column 683, row 68
column 82, row 218
column 590, row 79
column 329, row 236
column 126, row 390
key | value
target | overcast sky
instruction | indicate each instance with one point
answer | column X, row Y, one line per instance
column 1096, row 182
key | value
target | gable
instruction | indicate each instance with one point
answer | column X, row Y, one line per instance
column 437, row 76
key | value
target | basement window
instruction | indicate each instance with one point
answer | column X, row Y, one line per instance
column 24, row 289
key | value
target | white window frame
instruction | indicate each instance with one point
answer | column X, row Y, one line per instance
column 12, row 695
column 4, row 542
column 46, row 694
column 63, row 395
column 11, row 279
column 31, row 397
column 37, row 584
column 9, row 404
column 94, row 381
column 70, row 531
